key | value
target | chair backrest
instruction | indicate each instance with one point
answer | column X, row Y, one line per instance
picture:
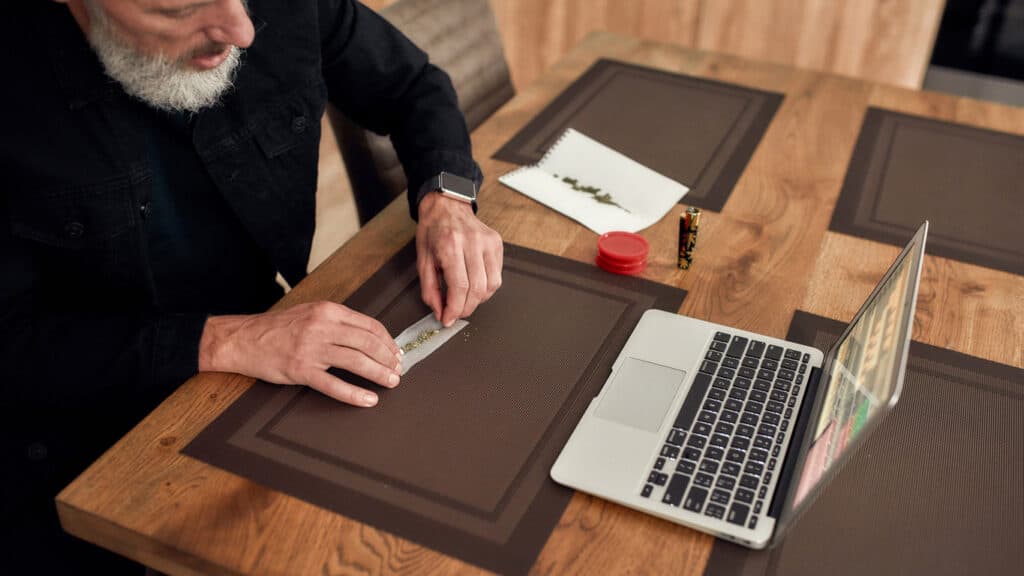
column 461, row 37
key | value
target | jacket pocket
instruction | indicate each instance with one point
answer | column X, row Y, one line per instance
column 291, row 121
column 75, row 218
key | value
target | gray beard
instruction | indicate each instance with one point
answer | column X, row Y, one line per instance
column 162, row 83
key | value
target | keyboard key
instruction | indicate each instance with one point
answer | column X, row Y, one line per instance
column 720, row 440
column 694, row 500
column 719, row 346
column 786, row 374
column 776, row 449
column 676, row 437
column 792, row 354
column 744, row 495
column 754, row 468
column 803, row 368
column 792, row 401
column 762, row 492
column 702, row 428
column 692, row 403
column 657, row 478
column 691, row 453
column 756, row 349
column 722, row 336
column 731, row 468
column 763, row 374
column 748, row 373
column 669, row 451
column 712, row 405
column 749, row 418
column 708, row 367
column 727, row 373
column 758, row 455
column 781, row 385
column 778, row 396
column 788, row 413
column 720, row 497
column 757, row 507
column 738, row 394
column 725, row 482
column 790, row 364
column 741, row 443
column 714, row 356
column 749, row 482
column 717, row 394
column 762, row 442
column 770, row 365
column 697, row 441
column 758, row 396
column 774, row 352
column 659, row 463
column 647, row 490
column 705, row 416
column 744, row 430
column 703, row 480
column 708, row 466
column 754, row 408
column 737, row 347
column 762, row 385
column 738, row 514
column 736, row 456
column 767, row 478
column 730, row 416
column 750, row 362
column 753, row 522
column 806, row 358
column 784, row 426
column 730, row 362
column 714, row 453
column 715, row 511
column 722, row 383
column 771, row 413
column 741, row 383
column 675, row 490
column 766, row 429
column 686, row 466
column 724, row 428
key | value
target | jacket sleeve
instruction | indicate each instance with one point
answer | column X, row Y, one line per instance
column 52, row 352
column 382, row 81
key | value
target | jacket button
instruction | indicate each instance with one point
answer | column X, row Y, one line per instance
column 299, row 124
column 36, row 451
column 74, row 229
column 145, row 210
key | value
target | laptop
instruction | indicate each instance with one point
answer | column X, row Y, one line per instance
column 735, row 433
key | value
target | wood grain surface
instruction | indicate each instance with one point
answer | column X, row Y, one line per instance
column 770, row 243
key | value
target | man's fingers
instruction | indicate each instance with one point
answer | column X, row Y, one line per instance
column 493, row 262
column 372, row 325
column 457, row 279
column 430, row 285
column 361, row 365
column 477, row 273
column 369, row 343
column 342, row 391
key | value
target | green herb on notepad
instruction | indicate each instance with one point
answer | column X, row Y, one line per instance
column 594, row 191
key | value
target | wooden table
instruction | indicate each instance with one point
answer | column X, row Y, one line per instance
column 143, row 499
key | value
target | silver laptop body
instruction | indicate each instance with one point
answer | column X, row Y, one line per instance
column 734, row 433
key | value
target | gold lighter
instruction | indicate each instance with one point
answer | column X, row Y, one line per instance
column 689, row 221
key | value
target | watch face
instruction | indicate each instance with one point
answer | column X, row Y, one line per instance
column 459, row 185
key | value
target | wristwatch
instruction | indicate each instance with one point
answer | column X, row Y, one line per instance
column 452, row 186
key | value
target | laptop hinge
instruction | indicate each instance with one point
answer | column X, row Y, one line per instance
column 795, row 443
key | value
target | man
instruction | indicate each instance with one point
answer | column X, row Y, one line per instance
column 159, row 169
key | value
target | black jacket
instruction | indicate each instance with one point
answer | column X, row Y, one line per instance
column 85, row 348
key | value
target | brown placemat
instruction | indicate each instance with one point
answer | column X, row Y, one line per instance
column 457, row 457
column 698, row 132
column 935, row 490
column 967, row 181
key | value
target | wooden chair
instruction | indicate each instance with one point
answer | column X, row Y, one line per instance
column 462, row 38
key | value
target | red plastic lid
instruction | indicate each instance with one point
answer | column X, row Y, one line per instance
column 623, row 248
column 619, row 268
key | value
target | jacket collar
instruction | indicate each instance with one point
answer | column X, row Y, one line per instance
column 77, row 68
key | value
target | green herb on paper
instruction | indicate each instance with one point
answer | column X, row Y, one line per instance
column 605, row 198
column 420, row 339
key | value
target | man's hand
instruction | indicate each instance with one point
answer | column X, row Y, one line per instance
column 298, row 345
column 452, row 243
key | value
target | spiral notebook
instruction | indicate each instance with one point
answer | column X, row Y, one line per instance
column 598, row 187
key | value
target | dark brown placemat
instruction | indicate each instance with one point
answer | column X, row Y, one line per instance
column 967, row 181
column 698, row 132
column 457, row 457
column 935, row 490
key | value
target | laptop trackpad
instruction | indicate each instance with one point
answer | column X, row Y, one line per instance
column 640, row 394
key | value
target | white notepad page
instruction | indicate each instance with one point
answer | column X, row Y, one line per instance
column 642, row 195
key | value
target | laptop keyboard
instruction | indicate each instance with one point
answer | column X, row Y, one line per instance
column 725, row 446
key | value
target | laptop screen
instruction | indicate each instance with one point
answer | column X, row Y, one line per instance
column 863, row 372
